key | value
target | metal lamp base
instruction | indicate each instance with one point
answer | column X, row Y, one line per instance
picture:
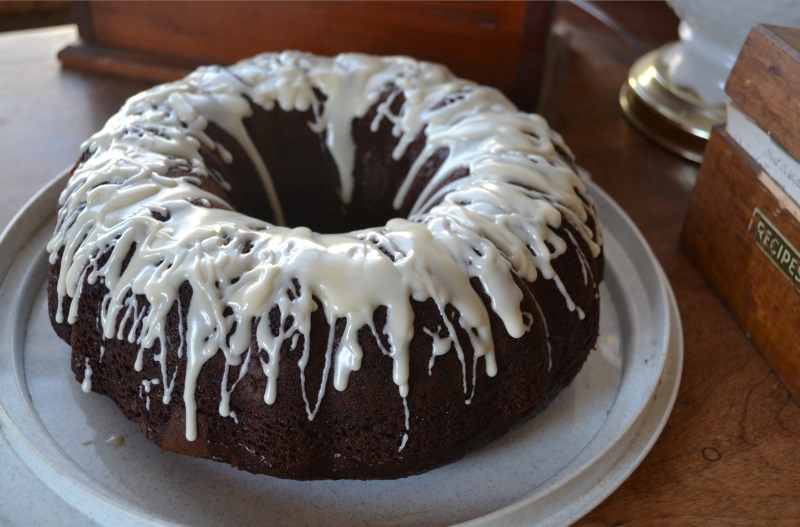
column 672, row 116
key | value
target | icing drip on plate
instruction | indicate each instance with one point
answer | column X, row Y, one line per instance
column 498, row 223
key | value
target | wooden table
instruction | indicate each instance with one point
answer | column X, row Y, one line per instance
column 730, row 450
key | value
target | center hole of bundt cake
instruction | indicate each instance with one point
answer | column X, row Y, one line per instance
column 305, row 177
column 310, row 195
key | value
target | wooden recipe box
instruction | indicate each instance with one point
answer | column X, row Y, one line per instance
column 742, row 229
column 496, row 43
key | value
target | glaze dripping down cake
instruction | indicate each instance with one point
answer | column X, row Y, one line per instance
column 322, row 268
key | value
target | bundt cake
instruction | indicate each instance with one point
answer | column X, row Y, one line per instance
column 323, row 268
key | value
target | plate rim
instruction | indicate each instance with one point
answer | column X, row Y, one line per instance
column 674, row 345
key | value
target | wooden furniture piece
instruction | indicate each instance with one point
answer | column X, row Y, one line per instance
column 742, row 229
column 728, row 454
column 495, row 43
column 27, row 14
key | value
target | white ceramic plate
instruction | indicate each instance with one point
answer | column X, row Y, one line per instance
column 549, row 472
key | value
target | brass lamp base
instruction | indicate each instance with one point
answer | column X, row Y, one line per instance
column 672, row 116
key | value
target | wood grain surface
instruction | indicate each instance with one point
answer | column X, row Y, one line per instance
column 728, row 455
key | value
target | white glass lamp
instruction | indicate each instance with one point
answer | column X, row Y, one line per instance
column 675, row 94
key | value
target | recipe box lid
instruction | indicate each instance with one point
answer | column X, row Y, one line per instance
column 763, row 83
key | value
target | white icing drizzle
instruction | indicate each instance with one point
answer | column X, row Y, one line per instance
column 407, row 416
column 147, row 384
column 115, row 440
column 499, row 223
column 86, row 385
column 225, row 395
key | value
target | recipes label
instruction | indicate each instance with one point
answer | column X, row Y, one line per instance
column 773, row 243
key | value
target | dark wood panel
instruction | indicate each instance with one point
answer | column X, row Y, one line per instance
column 497, row 43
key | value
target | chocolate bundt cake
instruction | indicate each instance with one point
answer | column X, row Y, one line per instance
column 349, row 267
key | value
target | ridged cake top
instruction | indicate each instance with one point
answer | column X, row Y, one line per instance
column 498, row 222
